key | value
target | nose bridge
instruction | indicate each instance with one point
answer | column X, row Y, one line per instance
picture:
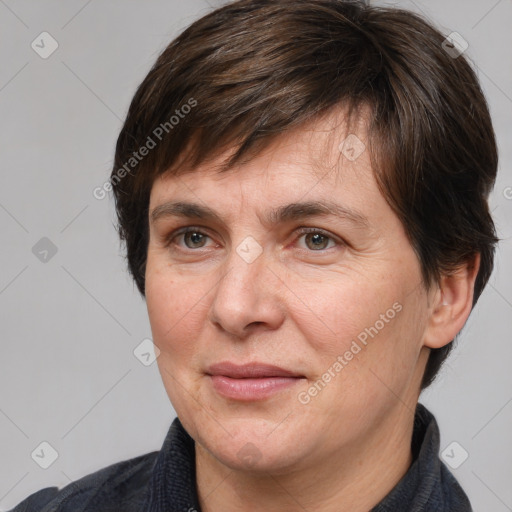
column 245, row 279
column 245, row 293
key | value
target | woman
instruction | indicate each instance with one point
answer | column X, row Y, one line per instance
column 302, row 188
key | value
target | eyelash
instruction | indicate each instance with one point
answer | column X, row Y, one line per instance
column 300, row 231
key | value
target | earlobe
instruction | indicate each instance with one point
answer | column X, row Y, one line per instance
column 452, row 304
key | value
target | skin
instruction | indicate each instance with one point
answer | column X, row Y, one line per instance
column 297, row 306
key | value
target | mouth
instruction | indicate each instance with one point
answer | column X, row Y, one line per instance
column 250, row 382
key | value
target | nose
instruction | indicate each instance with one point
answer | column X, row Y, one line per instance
column 247, row 297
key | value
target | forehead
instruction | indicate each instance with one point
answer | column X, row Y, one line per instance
column 319, row 155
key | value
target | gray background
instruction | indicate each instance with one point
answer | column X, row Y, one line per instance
column 69, row 326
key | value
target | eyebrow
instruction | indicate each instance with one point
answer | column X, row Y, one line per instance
column 281, row 214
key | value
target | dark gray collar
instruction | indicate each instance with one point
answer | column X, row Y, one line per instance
column 428, row 485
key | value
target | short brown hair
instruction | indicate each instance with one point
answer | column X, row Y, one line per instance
column 254, row 69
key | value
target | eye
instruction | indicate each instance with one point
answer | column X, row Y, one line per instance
column 193, row 238
column 316, row 239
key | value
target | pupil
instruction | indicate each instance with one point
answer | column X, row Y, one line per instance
column 195, row 237
column 317, row 238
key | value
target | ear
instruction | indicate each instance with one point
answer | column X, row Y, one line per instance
column 451, row 304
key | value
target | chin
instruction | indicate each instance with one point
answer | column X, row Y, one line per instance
column 253, row 445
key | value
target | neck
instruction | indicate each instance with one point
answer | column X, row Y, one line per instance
column 355, row 478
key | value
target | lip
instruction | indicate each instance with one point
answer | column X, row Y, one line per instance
column 250, row 370
column 250, row 382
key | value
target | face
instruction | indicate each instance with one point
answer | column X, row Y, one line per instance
column 288, row 337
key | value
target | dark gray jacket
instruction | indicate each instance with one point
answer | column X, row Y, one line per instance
column 164, row 481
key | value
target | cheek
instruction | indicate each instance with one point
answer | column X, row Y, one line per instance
column 373, row 328
column 365, row 345
column 337, row 312
column 175, row 312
